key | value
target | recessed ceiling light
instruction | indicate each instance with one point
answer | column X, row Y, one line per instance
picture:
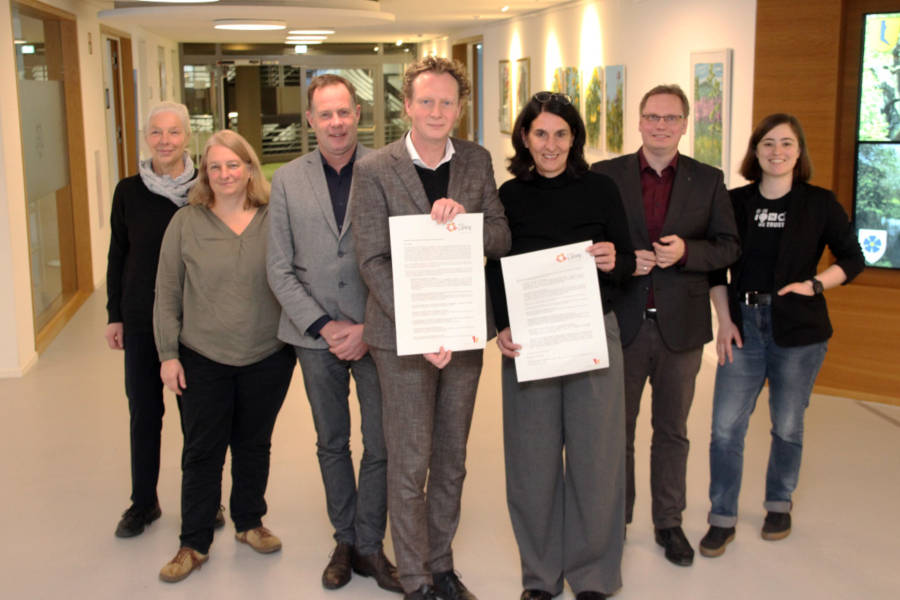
column 504, row 9
column 398, row 43
column 375, row 49
column 300, row 49
column 311, row 31
column 249, row 24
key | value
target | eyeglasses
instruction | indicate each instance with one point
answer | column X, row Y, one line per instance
column 545, row 97
column 669, row 119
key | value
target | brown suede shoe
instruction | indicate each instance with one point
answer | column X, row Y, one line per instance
column 260, row 539
column 182, row 565
column 378, row 566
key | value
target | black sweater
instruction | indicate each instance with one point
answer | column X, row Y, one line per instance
column 544, row 213
column 138, row 221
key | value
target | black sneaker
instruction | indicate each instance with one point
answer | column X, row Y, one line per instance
column 714, row 542
column 777, row 526
column 135, row 519
column 449, row 587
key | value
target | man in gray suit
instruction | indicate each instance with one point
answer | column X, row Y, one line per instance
column 682, row 227
column 429, row 399
column 312, row 271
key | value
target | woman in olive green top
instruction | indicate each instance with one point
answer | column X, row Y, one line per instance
column 215, row 322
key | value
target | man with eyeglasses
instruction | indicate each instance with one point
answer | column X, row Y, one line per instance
column 682, row 227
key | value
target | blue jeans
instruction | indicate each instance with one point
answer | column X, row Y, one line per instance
column 359, row 517
column 791, row 373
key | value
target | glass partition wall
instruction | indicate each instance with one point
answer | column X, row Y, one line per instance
column 264, row 96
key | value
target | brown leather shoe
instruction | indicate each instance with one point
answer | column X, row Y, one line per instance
column 378, row 566
column 338, row 573
column 184, row 563
column 260, row 539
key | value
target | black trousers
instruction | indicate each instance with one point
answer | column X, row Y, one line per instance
column 144, row 389
column 226, row 406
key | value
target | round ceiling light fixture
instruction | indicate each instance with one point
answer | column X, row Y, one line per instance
column 249, row 24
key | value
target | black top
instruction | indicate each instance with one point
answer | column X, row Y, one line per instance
column 138, row 221
column 761, row 246
column 339, row 189
column 435, row 181
column 544, row 213
column 814, row 220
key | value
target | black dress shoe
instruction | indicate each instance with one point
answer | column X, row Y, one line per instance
column 337, row 573
column 449, row 587
column 678, row 549
column 536, row 595
column 378, row 566
column 426, row 592
column 590, row 596
column 135, row 519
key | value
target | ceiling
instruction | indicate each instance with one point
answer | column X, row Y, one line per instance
column 353, row 20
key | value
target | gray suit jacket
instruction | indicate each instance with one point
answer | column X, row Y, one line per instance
column 386, row 184
column 311, row 265
column 700, row 213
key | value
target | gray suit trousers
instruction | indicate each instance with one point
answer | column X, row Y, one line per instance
column 568, row 516
column 672, row 375
column 427, row 415
column 359, row 518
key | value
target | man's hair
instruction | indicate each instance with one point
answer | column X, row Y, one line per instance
column 672, row 88
column 750, row 168
column 436, row 64
column 257, row 187
column 325, row 80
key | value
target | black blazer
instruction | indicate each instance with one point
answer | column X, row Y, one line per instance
column 814, row 219
column 700, row 213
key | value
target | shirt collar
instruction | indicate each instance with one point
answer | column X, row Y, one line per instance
column 642, row 161
column 417, row 160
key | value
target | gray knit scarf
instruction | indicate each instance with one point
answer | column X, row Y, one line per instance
column 175, row 189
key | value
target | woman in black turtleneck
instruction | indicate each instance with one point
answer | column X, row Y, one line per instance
column 568, row 516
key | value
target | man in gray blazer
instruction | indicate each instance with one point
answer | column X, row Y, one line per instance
column 312, row 271
column 682, row 227
column 429, row 399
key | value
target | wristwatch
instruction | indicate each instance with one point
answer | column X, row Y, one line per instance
column 817, row 286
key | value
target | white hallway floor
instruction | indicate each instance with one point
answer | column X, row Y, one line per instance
column 64, row 470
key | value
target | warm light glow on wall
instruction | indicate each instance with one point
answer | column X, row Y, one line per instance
column 552, row 60
column 591, row 43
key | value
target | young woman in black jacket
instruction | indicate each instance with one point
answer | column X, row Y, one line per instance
column 773, row 322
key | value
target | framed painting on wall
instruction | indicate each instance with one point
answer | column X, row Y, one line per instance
column 593, row 109
column 567, row 80
column 615, row 107
column 506, row 97
column 523, row 83
column 711, row 97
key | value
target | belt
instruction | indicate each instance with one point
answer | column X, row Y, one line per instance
column 650, row 313
column 756, row 299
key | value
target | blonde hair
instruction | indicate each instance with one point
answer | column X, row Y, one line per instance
column 257, row 187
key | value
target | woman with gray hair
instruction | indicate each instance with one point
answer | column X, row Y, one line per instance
column 142, row 206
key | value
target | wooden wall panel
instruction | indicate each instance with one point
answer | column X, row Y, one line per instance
column 806, row 63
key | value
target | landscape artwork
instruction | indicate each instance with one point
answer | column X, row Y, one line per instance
column 593, row 108
column 711, row 99
column 615, row 107
column 567, row 80
column 506, row 97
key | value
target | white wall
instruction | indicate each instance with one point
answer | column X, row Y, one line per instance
column 652, row 38
column 16, row 315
